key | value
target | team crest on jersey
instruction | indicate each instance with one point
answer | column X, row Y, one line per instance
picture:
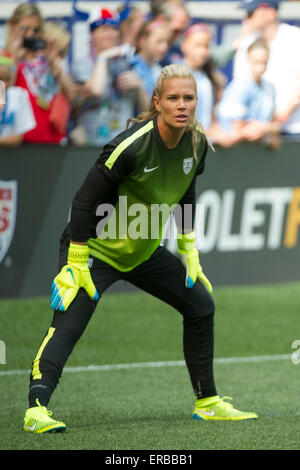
column 187, row 165
column 8, row 210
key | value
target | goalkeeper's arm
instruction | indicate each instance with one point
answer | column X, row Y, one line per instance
column 76, row 274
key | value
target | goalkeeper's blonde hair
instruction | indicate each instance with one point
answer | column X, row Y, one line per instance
column 174, row 71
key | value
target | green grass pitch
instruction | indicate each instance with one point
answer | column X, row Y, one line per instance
column 150, row 407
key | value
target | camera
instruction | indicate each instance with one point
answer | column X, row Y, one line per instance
column 34, row 44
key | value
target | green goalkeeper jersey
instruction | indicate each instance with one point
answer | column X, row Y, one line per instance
column 151, row 180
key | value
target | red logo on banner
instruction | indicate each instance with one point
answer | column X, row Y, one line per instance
column 8, row 210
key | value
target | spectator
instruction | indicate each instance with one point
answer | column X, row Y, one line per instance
column 40, row 71
column 49, row 86
column 248, row 105
column 157, row 5
column 283, row 69
column 16, row 117
column 178, row 18
column 152, row 45
column 25, row 22
column 131, row 22
column 196, row 55
column 110, row 91
column 196, row 48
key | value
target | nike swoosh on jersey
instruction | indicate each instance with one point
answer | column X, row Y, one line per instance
column 147, row 170
column 31, row 428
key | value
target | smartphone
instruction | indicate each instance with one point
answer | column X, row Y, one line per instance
column 35, row 44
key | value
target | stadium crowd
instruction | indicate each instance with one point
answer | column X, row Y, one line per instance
column 48, row 100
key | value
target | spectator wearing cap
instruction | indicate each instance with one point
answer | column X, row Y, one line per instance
column 283, row 69
column 111, row 92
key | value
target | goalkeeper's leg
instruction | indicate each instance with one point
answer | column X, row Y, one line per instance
column 57, row 345
column 164, row 277
column 63, row 334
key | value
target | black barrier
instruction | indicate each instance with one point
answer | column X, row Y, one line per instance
column 251, row 198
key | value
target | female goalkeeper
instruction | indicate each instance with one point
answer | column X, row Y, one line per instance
column 153, row 163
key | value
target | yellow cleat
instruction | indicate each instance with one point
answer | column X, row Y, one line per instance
column 38, row 420
column 215, row 408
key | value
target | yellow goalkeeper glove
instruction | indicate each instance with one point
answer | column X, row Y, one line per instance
column 73, row 275
column 189, row 257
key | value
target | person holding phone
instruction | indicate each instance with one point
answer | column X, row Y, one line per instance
column 25, row 24
column 38, row 57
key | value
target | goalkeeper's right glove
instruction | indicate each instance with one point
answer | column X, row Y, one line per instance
column 73, row 275
column 189, row 257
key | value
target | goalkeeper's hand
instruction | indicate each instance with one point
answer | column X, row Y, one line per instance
column 73, row 275
column 189, row 257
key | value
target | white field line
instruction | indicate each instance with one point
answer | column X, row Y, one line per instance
column 144, row 365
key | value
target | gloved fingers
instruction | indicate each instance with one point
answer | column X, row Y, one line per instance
column 62, row 297
column 191, row 266
column 67, row 298
column 205, row 282
column 89, row 286
column 57, row 295
column 66, row 285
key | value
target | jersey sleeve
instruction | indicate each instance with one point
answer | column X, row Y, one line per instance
column 115, row 162
column 112, row 167
column 95, row 188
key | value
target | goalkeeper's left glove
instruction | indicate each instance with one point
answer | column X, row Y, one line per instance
column 189, row 257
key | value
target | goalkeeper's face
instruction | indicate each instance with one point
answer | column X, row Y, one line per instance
column 177, row 102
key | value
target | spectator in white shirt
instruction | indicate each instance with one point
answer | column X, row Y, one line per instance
column 283, row 69
column 16, row 117
column 247, row 105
